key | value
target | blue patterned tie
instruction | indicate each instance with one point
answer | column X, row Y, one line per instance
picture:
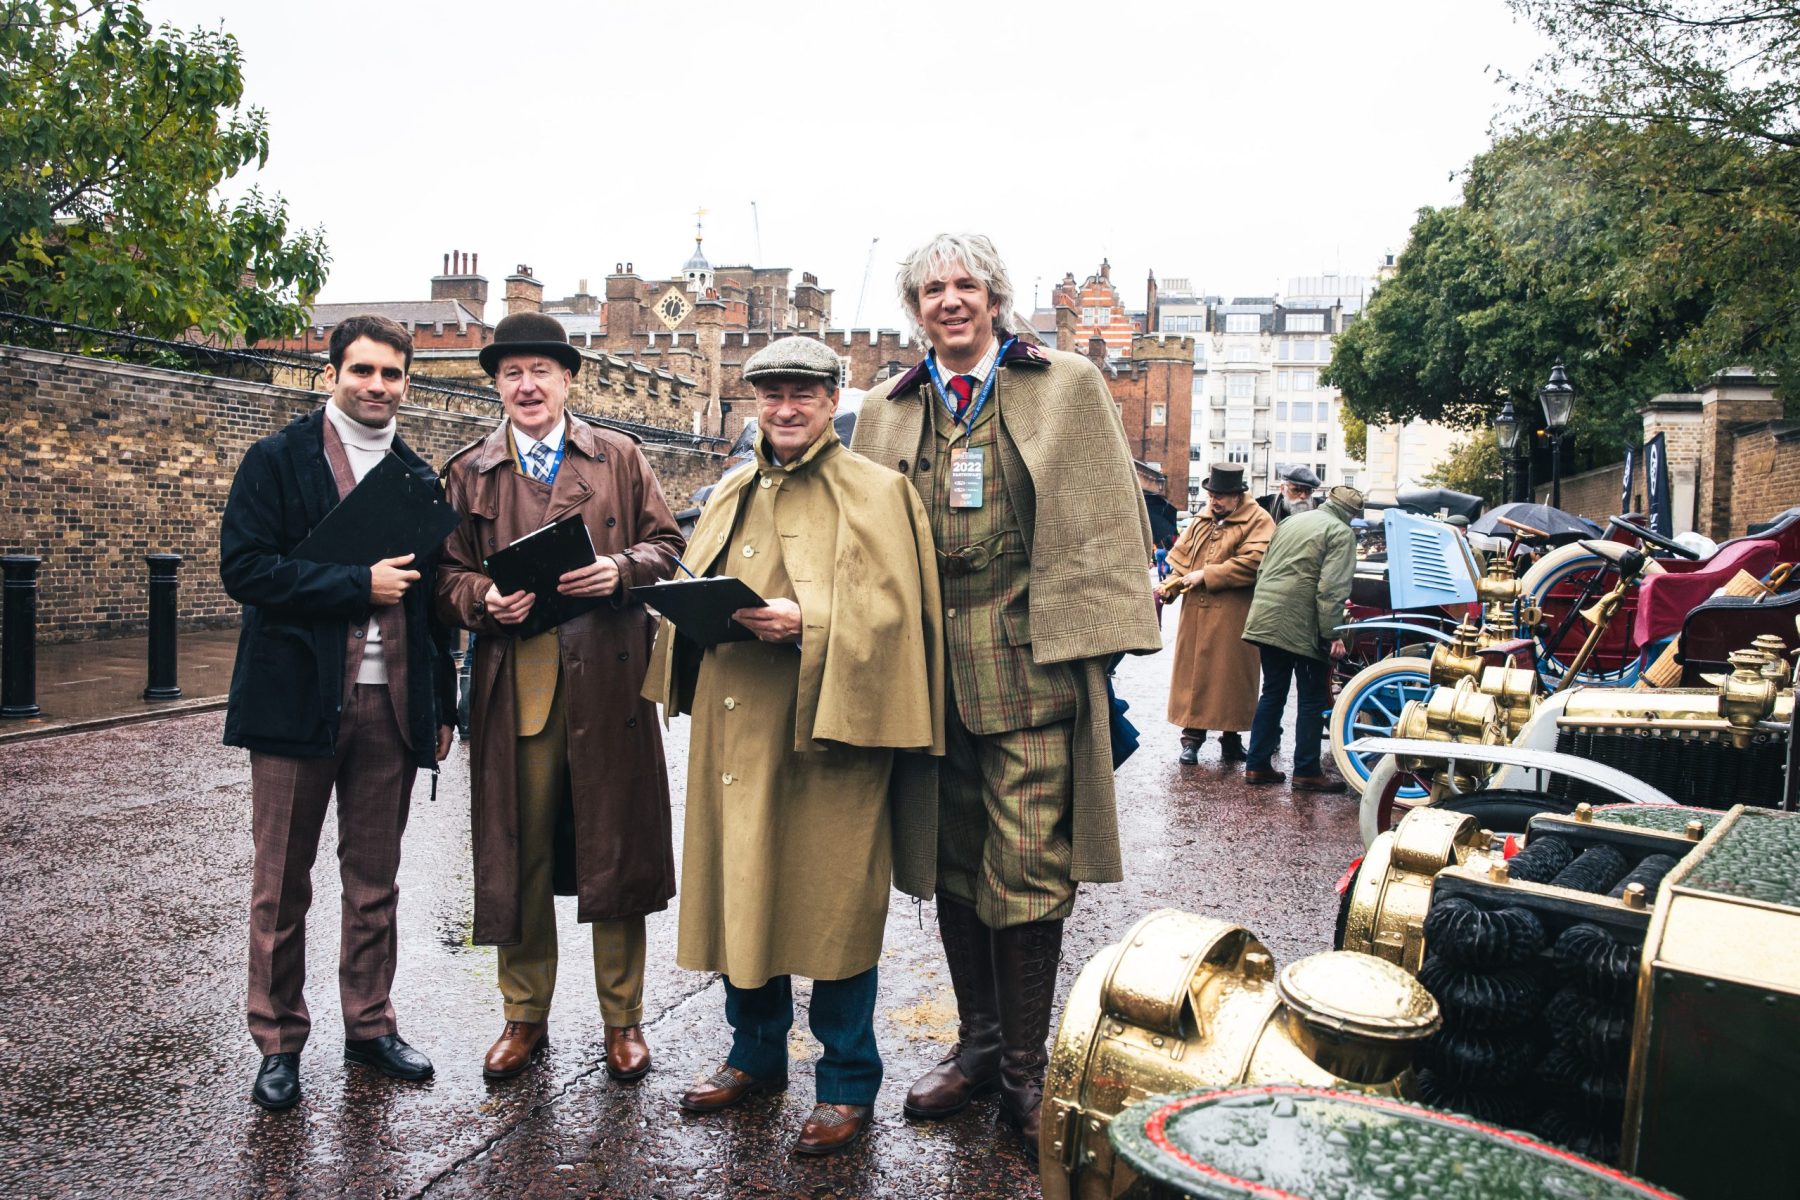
column 538, row 459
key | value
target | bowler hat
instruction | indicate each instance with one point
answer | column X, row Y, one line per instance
column 1225, row 480
column 808, row 358
column 529, row 333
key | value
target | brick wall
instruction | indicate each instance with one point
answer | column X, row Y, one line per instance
column 106, row 462
column 1766, row 467
column 1591, row 494
column 1159, row 374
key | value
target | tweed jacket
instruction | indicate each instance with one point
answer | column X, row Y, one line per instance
column 1088, row 530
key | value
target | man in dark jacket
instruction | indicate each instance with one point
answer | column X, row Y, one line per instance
column 339, row 684
column 1293, row 494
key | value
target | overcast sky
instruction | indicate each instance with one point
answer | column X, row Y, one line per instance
column 1235, row 145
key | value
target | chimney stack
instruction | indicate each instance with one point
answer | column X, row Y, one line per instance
column 460, row 282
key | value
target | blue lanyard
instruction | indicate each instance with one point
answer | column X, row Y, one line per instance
column 554, row 462
column 974, row 410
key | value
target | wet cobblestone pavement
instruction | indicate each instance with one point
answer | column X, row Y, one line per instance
column 125, row 1065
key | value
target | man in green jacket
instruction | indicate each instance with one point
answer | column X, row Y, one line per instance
column 1299, row 603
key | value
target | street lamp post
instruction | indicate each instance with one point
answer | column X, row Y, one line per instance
column 1506, row 431
column 1558, row 399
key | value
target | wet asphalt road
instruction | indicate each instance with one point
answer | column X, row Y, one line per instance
column 125, row 1065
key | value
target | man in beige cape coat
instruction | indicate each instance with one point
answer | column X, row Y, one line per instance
column 1044, row 551
column 1213, row 566
column 788, row 853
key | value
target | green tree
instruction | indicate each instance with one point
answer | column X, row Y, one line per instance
column 1682, row 121
column 114, row 138
column 1473, row 465
column 1489, row 293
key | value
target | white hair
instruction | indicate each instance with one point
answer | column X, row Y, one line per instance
column 975, row 253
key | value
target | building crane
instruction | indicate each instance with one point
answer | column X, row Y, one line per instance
column 868, row 265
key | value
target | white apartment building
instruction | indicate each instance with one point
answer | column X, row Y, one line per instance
column 1257, row 397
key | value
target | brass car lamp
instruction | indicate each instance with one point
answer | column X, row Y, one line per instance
column 1458, row 659
column 1747, row 695
column 1357, row 1016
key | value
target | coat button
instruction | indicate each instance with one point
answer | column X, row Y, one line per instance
column 611, row 521
column 725, row 779
column 901, row 466
column 623, row 655
column 631, row 722
column 924, row 464
column 730, row 702
column 950, row 613
column 359, row 633
column 749, row 551
column 765, row 481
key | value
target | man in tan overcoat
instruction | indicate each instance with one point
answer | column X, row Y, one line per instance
column 1043, row 546
column 787, row 852
column 1212, row 567
column 570, row 793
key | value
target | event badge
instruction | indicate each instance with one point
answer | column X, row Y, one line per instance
column 965, row 476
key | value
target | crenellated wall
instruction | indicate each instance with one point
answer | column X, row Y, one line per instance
column 104, row 462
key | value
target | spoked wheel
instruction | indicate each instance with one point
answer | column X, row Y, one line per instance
column 1369, row 706
column 1560, row 584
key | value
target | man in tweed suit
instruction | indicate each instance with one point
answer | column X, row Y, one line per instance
column 339, row 686
column 1044, row 548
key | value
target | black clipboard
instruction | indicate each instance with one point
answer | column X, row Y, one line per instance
column 390, row 512
column 701, row 608
column 534, row 563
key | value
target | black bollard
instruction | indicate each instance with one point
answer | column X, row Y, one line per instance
column 162, row 627
column 18, row 639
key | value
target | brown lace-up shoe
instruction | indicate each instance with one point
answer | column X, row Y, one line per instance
column 1261, row 777
column 519, row 1043
column 1318, row 783
column 627, row 1054
column 833, row 1128
column 726, row 1088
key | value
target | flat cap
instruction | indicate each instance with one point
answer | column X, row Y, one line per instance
column 806, row 357
column 1347, row 496
column 1299, row 474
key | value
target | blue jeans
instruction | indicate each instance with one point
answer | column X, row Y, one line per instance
column 842, row 1018
column 1279, row 667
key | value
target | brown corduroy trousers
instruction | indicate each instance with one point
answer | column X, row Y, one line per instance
column 372, row 773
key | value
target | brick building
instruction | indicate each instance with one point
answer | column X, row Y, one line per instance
column 1153, row 387
column 1099, row 311
column 666, row 351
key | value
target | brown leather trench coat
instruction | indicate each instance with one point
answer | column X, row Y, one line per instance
column 623, row 857
column 1217, row 675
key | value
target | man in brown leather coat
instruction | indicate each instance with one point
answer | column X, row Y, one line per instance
column 570, row 788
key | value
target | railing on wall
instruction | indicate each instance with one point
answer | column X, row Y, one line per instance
column 261, row 366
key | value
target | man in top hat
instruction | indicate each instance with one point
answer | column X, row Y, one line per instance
column 1294, row 615
column 1043, row 544
column 1294, row 487
column 570, row 794
column 1212, row 568
column 340, row 687
column 787, row 858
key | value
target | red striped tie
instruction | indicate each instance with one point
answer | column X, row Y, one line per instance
column 962, row 387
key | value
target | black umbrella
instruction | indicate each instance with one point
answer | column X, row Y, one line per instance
column 1163, row 516
column 1561, row 526
column 1431, row 501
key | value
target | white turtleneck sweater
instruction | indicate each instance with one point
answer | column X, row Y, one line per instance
column 364, row 446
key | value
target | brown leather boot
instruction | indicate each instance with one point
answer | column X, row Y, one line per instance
column 972, row 1068
column 1025, row 958
column 518, row 1044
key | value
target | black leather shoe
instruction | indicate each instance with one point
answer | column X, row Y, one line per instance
column 390, row 1055
column 277, row 1082
column 1190, row 754
column 1231, row 748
